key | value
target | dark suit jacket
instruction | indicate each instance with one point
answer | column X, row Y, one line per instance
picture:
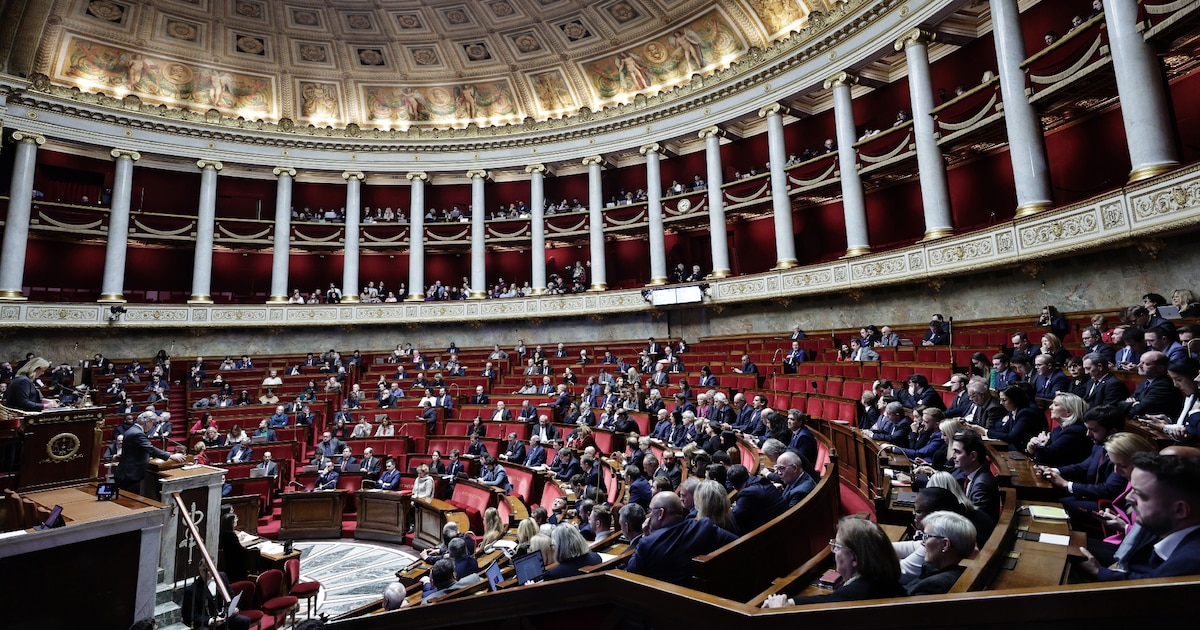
column 516, row 453
column 430, row 416
column 792, row 494
column 1046, row 386
column 1095, row 477
column 1067, row 445
column 564, row 472
column 505, row 416
column 756, row 503
column 1019, row 427
column 804, row 443
column 370, row 467
column 1105, row 351
column 854, row 591
column 640, row 493
column 572, row 566
column 1142, row 563
column 481, row 399
column 934, row 581
column 983, row 491
column 1108, row 391
column 666, row 554
column 1155, row 396
column 135, row 456
column 23, row 394
column 535, row 456
column 959, row 405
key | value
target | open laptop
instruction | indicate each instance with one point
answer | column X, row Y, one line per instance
column 257, row 473
column 529, row 567
column 494, row 576
column 258, row 439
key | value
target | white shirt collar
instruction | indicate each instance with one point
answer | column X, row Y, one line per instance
column 1165, row 547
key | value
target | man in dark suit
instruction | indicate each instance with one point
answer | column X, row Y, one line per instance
column 1050, row 379
column 653, row 349
column 444, row 400
column 545, row 431
column 802, row 440
column 480, row 398
column 971, row 468
column 1102, row 387
column 984, row 411
column 328, row 478
column 961, row 402
column 794, row 357
column 1095, row 478
column 1166, row 498
column 535, row 455
column 527, row 413
column 666, row 552
column 135, row 456
column 639, row 486
column 747, row 366
column 429, row 416
column 475, row 448
column 515, row 451
column 269, row 465
column 369, row 464
column 793, row 472
column 241, row 453
column 1093, row 342
column 494, row 475
column 565, row 465
column 330, row 446
column 1156, row 394
column 501, row 414
column 757, row 500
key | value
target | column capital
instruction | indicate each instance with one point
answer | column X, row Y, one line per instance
column 29, row 136
column 914, row 37
column 125, row 153
column 845, row 77
column 593, row 159
column 349, row 175
column 284, row 170
column 537, row 168
column 478, row 174
column 777, row 109
column 653, row 147
column 711, row 132
column 213, row 164
column 417, row 175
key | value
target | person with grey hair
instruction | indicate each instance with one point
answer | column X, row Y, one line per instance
column 793, row 473
column 687, row 495
column 666, row 552
column 135, row 456
column 570, row 553
column 948, row 538
column 893, row 425
column 393, row 597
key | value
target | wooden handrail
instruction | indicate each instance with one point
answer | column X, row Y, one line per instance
column 204, row 555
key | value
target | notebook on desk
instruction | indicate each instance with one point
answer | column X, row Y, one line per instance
column 906, row 498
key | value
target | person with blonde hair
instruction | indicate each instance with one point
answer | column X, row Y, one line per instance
column 492, row 527
column 542, row 544
column 1053, row 348
column 423, row 484
column 1068, row 442
column 712, row 502
column 1185, row 301
column 23, row 391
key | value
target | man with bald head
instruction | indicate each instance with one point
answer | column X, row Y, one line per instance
column 1156, row 394
column 666, row 552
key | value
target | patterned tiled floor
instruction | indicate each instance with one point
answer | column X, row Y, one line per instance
column 351, row 573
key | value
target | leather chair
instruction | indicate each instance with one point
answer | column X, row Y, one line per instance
column 300, row 590
column 268, row 592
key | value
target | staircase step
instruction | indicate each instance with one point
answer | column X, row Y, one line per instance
column 163, row 593
column 168, row 614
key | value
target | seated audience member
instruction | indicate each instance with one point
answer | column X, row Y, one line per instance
column 893, row 426
column 948, row 539
column 1056, row 322
column 927, row 439
column 1053, row 348
column 920, row 394
column 973, row 470
column 1094, row 478
column 666, row 552
column 935, row 336
column 1049, row 378
column 571, row 553
column 1023, row 422
column 866, row 564
column 1166, row 498
column 1068, row 442
column 1002, row 374
column 757, row 500
column 204, row 608
column 1184, row 427
column 794, row 474
column 912, row 552
column 1102, row 386
column 712, row 502
column 982, row 522
column 1155, row 395
column 394, row 597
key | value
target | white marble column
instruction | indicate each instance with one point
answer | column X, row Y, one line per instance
column 206, row 221
column 654, row 214
column 717, row 228
column 416, row 237
column 854, row 205
column 935, row 191
column 781, row 204
column 113, row 285
column 283, row 234
column 1026, row 144
column 596, row 223
column 1142, row 89
column 478, row 235
column 537, row 226
column 350, row 285
column 20, row 207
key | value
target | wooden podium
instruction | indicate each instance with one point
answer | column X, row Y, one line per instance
column 382, row 515
column 200, row 489
column 60, row 447
column 312, row 514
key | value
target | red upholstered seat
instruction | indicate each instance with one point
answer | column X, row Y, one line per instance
column 269, row 595
column 246, row 589
column 300, row 590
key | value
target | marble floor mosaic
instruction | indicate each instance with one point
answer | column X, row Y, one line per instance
column 351, row 573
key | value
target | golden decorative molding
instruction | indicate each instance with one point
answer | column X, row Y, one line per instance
column 349, row 175
column 417, row 175
column 1029, row 209
column 277, row 299
column 593, row 159
column 856, row 251
column 12, row 296
column 284, row 170
column 115, row 298
column 537, row 168
column 652, row 147
column 937, row 233
column 478, row 174
column 200, row 299
column 790, row 263
column 776, row 109
column 125, row 153
column 1148, row 172
column 213, row 164
column 709, row 132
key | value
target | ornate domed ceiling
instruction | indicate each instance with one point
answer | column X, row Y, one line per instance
column 401, row 63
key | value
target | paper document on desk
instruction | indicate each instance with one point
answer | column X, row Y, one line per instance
column 271, row 548
column 1054, row 539
column 1046, row 512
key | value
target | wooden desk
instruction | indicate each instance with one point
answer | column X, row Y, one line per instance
column 431, row 515
column 1019, row 474
column 312, row 514
column 382, row 515
column 1039, row 563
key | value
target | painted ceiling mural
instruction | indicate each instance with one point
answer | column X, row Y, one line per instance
column 402, row 63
